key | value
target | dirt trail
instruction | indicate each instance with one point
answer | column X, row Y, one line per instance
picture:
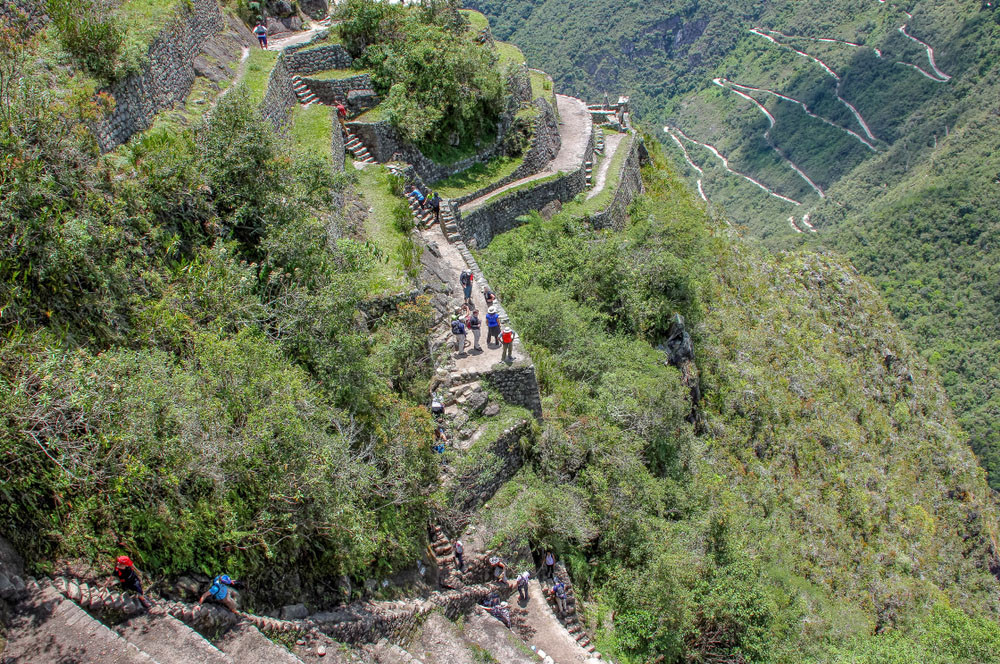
column 575, row 127
column 611, row 144
column 550, row 635
column 767, row 136
column 725, row 164
column 283, row 41
column 241, row 70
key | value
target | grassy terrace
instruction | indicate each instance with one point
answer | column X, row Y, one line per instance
column 477, row 177
column 312, row 130
column 259, row 66
column 377, row 114
column 509, row 54
column 389, row 276
column 143, row 19
column 542, row 86
column 477, row 22
column 580, row 207
column 336, row 74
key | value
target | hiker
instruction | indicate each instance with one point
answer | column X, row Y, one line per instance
column 341, row 114
column 550, row 562
column 129, row 579
column 488, row 295
column 435, row 204
column 261, row 33
column 437, row 406
column 458, row 329
column 499, row 569
column 492, row 326
column 475, row 325
column 440, row 439
column 522, row 586
column 507, row 339
column 466, row 279
column 418, row 196
column 459, row 552
column 559, row 591
column 499, row 610
column 219, row 591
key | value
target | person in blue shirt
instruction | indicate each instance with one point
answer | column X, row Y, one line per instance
column 219, row 591
column 492, row 326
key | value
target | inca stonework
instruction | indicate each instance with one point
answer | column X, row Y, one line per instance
column 166, row 79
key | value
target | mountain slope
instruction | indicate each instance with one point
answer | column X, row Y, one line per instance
column 877, row 118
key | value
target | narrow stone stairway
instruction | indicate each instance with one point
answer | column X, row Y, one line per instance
column 357, row 149
column 571, row 620
column 168, row 640
column 305, row 96
column 245, row 644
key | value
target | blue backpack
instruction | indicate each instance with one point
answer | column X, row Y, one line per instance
column 457, row 327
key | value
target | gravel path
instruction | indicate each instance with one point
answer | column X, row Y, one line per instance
column 611, row 143
column 575, row 127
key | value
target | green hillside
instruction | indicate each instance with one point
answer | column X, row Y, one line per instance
column 913, row 205
column 198, row 366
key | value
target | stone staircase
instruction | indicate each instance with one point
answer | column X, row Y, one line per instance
column 588, row 167
column 571, row 621
column 449, row 225
column 598, row 141
column 357, row 149
column 305, row 96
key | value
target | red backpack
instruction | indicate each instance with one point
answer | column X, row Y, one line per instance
column 507, row 337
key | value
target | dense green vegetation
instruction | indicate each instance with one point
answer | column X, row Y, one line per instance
column 478, row 176
column 815, row 513
column 442, row 88
column 185, row 377
column 919, row 215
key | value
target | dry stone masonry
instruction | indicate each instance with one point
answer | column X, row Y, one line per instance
column 615, row 215
column 311, row 60
column 166, row 79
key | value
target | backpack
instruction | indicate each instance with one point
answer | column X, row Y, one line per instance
column 549, row 560
column 465, row 278
column 457, row 327
column 559, row 589
column 507, row 337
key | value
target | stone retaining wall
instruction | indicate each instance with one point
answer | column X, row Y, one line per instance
column 31, row 10
column 279, row 99
column 544, row 147
column 500, row 215
column 494, row 467
column 380, row 306
column 334, row 91
column 615, row 215
column 166, row 79
column 337, row 150
column 311, row 60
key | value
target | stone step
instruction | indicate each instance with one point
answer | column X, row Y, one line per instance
column 453, row 237
column 451, row 228
column 47, row 627
column 245, row 644
column 170, row 641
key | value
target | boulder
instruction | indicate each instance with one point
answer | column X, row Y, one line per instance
column 678, row 345
column 294, row 612
column 476, row 401
column 491, row 410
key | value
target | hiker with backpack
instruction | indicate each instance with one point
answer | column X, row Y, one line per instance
column 559, row 592
column 261, row 33
column 466, row 279
column 507, row 339
column 459, row 552
column 219, row 591
column 458, row 329
column 499, row 569
column 474, row 324
column 341, row 115
column 522, row 586
column 435, row 205
column 129, row 579
column 550, row 561
column 492, row 326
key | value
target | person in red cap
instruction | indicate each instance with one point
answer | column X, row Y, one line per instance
column 129, row 579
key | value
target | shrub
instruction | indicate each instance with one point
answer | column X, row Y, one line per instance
column 91, row 35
